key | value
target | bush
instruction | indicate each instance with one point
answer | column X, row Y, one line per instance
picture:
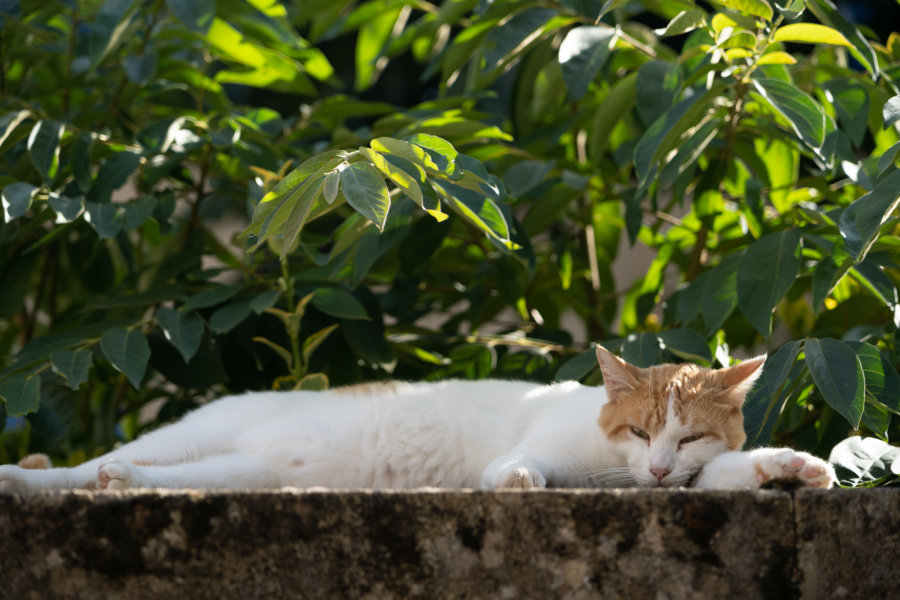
column 753, row 148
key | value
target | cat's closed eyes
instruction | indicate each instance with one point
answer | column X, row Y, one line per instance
column 670, row 425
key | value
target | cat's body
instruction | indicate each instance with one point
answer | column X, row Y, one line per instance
column 647, row 427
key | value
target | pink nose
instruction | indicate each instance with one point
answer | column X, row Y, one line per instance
column 659, row 473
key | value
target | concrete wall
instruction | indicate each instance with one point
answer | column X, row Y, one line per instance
column 544, row 544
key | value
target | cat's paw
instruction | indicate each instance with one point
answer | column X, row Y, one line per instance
column 785, row 463
column 117, row 474
column 521, row 478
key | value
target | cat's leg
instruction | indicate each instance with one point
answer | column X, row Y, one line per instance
column 172, row 444
column 749, row 470
column 226, row 471
column 512, row 471
column 16, row 479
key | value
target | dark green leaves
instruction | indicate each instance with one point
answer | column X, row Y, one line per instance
column 197, row 15
column 839, row 375
column 365, row 191
column 43, row 148
column 72, row 365
column 859, row 222
column 16, row 199
column 767, row 270
column 805, row 116
column 128, row 351
column 581, row 54
column 21, row 393
column 183, row 328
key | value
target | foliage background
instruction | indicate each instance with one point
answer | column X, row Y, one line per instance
column 430, row 190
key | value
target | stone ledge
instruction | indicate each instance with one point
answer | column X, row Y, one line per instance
column 450, row 544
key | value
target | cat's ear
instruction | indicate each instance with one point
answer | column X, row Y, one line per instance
column 618, row 375
column 741, row 377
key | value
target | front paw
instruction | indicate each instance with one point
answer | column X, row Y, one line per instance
column 117, row 474
column 795, row 466
column 521, row 478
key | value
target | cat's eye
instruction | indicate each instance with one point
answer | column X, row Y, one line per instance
column 690, row 438
column 641, row 434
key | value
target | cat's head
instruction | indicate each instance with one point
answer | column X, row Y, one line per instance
column 668, row 421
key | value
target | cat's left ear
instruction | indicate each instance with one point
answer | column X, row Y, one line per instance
column 741, row 377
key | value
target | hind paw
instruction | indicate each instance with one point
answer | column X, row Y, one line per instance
column 117, row 474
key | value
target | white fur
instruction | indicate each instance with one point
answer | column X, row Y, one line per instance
column 488, row 434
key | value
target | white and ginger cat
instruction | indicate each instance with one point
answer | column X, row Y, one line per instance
column 669, row 425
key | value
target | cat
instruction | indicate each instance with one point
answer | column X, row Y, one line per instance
column 664, row 426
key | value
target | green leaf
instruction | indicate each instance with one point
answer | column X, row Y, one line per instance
column 108, row 26
column 67, row 209
column 838, row 374
column 805, row 116
column 9, row 122
column 105, row 218
column 365, row 191
column 231, row 315
column 891, row 111
column 16, row 199
column 396, row 174
column 859, row 223
column 442, row 152
column 826, row 12
column 136, row 212
column 264, row 301
column 128, row 351
column 525, row 175
column 43, row 148
column 581, row 55
column 314, row 340
column 810, row 33
column 112, row 175
column 332, row 186
column 196, row 15
column 183, row 329
column 685, row 21
column 888, row 158
column 791, row 9
column 313, row 382
column 757, row 8
column 578, row 366
column 281, row 351
column 779, row 365
column 299, row 212
column 372, row 38
column 217, row 294
column 851, row 103
column 686, row 344
column 642, row 349
column 665, row 131
column 479, row 210
column 140, row 68
column 72, row 365
column 766, row 272
column 720, row 292
column 338, row 303
column 22, row 394
column 860, row 460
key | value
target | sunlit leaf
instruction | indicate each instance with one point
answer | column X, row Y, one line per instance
column 810, row 33
column 365, row 190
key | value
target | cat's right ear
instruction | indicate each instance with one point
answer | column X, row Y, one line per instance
column 618, row 376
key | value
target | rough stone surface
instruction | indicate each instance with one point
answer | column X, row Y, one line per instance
column 449, row 544
column 848, row 543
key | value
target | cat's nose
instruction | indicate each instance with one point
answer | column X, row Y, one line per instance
column 659, row 473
